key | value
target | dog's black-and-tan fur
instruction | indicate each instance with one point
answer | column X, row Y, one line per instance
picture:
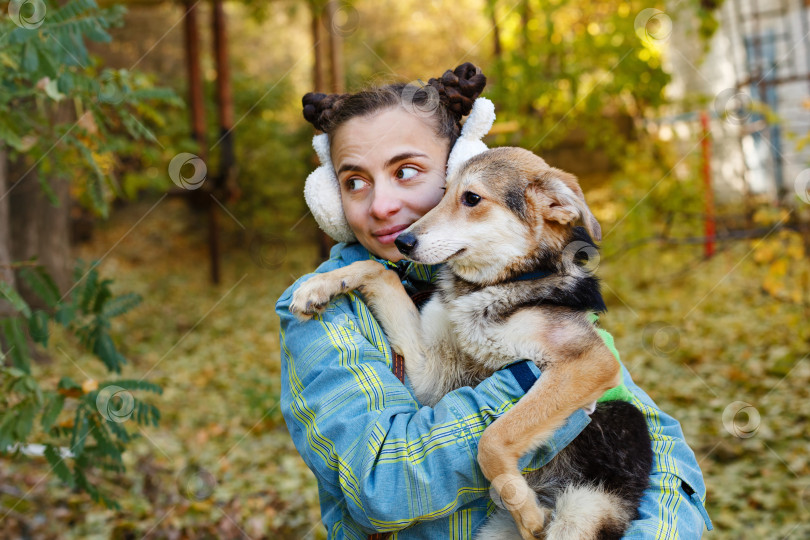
column 505, row 214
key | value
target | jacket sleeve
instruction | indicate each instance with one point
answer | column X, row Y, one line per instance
column 673, row 505
column 364, row 436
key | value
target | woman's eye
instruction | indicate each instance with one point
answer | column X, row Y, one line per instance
column 406, row 172
column 470, row 199
column 353, row 184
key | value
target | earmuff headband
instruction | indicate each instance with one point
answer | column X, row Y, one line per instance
column 322, row 190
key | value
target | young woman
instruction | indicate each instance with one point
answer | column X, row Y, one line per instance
column 383, row 462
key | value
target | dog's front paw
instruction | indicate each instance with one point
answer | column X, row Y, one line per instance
column 511, row 491
column 314, row 295
column 531, row 523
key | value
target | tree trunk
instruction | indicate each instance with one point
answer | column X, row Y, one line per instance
column 525, row 17
column 336, row 49
column 319, row 48
column 38, row 229
column 194, row 77
column 321, row 19
column 496, row 79
column 497, row 48
column 6, row 273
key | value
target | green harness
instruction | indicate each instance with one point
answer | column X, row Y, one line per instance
column 618, row 393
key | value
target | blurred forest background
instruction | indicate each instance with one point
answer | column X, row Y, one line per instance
column 152, row 161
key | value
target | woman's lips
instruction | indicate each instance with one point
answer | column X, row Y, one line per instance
column 387, row 236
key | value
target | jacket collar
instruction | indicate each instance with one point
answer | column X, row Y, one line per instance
column 407, row 270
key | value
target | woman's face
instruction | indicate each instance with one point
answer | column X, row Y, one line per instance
column 391, row 168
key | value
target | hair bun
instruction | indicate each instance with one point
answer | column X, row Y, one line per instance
column 458, row 89
column 319, row 108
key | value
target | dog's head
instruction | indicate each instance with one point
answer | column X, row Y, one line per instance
column 502, row 210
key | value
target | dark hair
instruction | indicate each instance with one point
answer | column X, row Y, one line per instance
column 446, row 99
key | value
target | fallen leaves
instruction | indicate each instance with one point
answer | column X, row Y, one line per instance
column 729, row 340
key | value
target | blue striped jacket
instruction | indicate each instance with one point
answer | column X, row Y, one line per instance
column 384, row 463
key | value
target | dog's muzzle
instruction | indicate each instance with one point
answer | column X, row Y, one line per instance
column 405, row 242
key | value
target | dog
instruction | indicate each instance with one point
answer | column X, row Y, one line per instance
column 513, row 287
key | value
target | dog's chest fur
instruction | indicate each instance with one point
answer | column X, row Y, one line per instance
column 476, row 326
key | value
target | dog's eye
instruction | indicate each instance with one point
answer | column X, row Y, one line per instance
column 470, row 199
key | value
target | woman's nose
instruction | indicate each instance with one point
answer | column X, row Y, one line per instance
column 386, row 201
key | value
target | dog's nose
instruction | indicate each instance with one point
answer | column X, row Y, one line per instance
column 405, row 242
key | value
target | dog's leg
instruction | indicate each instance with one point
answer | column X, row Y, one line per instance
column 382, row 291
column 419, row 340
column 578, row 369
column 441, row 367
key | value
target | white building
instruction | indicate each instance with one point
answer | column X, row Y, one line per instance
column 756, row 76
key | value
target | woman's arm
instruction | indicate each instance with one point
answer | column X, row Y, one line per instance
column 673, row 504
column 389, row 461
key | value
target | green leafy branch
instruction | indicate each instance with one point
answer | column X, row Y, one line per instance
column 56, row 103
column 95, row 435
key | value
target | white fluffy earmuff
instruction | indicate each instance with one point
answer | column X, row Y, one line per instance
column 322, row 193
column 469, row 143
column 322, row 190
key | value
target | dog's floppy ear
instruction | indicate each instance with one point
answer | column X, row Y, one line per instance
column 563, row 200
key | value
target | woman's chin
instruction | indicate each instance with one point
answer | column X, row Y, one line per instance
column 387, row 251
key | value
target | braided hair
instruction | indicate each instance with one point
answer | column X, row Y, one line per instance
column 446, row 99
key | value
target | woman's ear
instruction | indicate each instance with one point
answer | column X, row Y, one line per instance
column 561, row 200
